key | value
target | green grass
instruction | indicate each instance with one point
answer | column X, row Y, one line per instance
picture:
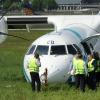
column 12, row 83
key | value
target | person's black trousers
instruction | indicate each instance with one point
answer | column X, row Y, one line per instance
column 35, row 78
column 80, row 82
column 92, row 80
column 97, row 78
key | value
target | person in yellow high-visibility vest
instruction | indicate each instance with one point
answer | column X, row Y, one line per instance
column 91, row 71
column 80, row 72
column 33, row 65
column 72, row 67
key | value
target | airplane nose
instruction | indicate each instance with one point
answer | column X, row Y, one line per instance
column 53, row 69
column 57, row 69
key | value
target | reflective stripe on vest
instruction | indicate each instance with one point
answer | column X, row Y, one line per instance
column 32, row 65
column 74, row 61
column 90, row 66
column 98, row 66
column 79, row 67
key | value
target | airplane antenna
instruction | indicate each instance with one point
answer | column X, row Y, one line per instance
column 55, row 27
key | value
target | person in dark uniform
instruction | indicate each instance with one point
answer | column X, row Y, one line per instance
column 91, row 72
column 34, row 64
column 97, row 72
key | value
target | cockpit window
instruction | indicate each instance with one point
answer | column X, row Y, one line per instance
column 31, row 50
column 86, row 48
column 77, row 48
column 58, row 50
column 42, row 50
column 71, row 49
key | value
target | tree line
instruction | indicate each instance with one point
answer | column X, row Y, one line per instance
column 37, row 5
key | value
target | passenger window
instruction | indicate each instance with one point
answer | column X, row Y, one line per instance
column 71, row 49
column 31, row 50
column 58, row 50
column 42, row 50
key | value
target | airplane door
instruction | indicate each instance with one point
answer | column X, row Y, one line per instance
column 90, row 44
column 86, row 48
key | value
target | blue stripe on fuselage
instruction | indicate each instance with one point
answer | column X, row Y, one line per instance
column 75, row 33
column 26, row 76
column 1, row 33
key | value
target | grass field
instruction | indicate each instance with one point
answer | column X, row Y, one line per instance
column 12, row 83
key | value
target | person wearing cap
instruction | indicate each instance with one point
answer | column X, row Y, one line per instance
column 33, row 65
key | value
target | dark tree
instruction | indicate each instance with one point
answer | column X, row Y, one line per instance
column 44, row 4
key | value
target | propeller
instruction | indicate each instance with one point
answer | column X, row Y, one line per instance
column 3, row 27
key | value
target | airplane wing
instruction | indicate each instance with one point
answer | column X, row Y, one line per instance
column 26, row 19
column 59, row 21
column 18, row 20
column 93, row 42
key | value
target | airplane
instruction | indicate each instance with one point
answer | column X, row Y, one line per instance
column 72, row 33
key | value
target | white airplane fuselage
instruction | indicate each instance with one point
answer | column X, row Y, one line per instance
column 56, row 51
column 57, row 48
